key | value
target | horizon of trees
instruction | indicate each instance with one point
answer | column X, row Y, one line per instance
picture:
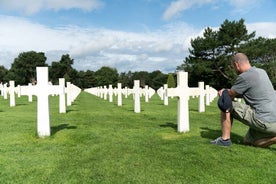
column 23, row 71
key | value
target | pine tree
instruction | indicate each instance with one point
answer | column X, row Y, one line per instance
column 171, row 81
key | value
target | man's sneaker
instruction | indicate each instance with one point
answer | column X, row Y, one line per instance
column 221, row 142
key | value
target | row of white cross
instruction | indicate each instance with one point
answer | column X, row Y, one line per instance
column 182, row 91
column 42, row 90
column 137, row 92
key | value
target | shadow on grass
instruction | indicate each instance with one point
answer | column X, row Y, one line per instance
column 141, row 110
column 70, row 110
column 55, row 129
column 193, row 109
column 20, row 104
column 169, row 124
column 213, row 134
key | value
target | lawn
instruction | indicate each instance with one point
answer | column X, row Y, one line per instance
column 98, row 142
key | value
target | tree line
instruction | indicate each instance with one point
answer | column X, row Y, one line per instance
column 209, row 60
column 23, row 71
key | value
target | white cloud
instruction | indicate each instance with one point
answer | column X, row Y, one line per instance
column 244, row 6
column 30, row 7
column 92, row 48
column 176, row 7
column 263, row 29
column 239, row 6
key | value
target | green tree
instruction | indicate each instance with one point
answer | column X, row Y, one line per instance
column 125, row 79
column 23, row 69
column 262, row 53
column 143, row 76
column 260, row 50
column 171, row 81
column 106, row 76
column 232, row 34
column 157, row 79
column 3, row 75
column 86, row 79
column 63, row 69
column 209, row 59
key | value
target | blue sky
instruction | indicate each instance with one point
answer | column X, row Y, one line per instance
column 130, row 35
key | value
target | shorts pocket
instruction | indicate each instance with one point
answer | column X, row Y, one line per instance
column 259, row 124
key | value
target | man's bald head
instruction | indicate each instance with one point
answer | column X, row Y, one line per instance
column 240, row 58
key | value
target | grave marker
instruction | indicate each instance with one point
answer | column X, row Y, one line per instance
column 68, row 93
column 5, row 91
column 72, row 92
column 62, row 104
column 11, row 92
column 105, row 92
column 42, row 90
column 30, row 96
column 110, row 93
column 161, row 92
column 119, row 94
column 136, row 93
column 18, row 91
column 2, row 89
column 207, row 91
column 165, row 95
column 183, row 92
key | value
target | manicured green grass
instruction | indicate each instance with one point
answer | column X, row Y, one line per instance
column 98, row 142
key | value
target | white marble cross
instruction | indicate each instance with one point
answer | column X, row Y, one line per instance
column 182, row 91
column 148, row 92
column 210, row 94
column 165, row 95
column 18, row 91
column 161, row 92
column 62, row 103
column 72, row 92
column 110, row 93
column 94, row 91
column 5, row 91
column 207, row 91
column 2, row 88
column 27, row 90
column 199, row 91
column 125, row 92
column 11, row 92
column 137, row 93
column 201, row 106
column 119, row 94
column 30, row 95
column 105, row 91
column 42, row 90
column 68, row 93
column 101, row 94
column 183, row 98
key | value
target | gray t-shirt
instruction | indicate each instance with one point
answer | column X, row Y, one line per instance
column 257, row 91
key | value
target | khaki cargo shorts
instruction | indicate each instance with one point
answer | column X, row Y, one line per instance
column 257, row 128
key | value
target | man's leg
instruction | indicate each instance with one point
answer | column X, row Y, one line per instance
column 259, row 139
column 265, row 142
column 226, row 125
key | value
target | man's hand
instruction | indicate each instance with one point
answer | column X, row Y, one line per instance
column 231, row 92
column 220, row 92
